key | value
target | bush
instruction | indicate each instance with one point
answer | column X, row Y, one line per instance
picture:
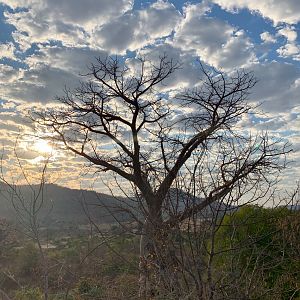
column 265, row 243
column 90, row 289
column 28, row 260
column 29, row 294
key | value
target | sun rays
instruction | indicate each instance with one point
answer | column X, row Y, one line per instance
column 43, row 147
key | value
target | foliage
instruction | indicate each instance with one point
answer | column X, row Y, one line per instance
column 29, row 293
column 90, row 289
column 7, row 236
column 259, row 250
column 28, row 260
column 266, row 253
column 127, row 260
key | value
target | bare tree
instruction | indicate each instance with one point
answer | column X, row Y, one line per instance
column 122, row 122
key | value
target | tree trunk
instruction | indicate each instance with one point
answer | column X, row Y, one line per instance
column 157, row 264
column 45, row 270
column 147, row 265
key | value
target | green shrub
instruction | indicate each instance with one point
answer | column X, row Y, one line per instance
column 265, row 242
column 29, row 294
column 28, row 260
column 90, row 289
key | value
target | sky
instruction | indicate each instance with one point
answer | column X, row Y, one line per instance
column 46, row 44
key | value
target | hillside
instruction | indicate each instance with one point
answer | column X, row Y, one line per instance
column 60, row 204
column 65, row 205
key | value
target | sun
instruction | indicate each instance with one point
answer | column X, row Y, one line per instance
column 43, row 146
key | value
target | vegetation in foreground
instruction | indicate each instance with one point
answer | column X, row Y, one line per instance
column 256, row 257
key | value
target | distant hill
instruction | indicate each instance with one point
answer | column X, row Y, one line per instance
column 65, row 205
column 294, row 207
column 61, row 204
column 181, row 200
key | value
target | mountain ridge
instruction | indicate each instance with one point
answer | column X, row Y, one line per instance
column 67, row 205
column 63, row 203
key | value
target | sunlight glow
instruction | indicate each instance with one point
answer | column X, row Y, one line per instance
column 43, row 146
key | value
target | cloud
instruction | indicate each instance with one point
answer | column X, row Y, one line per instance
column 188, row 75
column 31, row 30
column 291, row 48
column 215, row 41
column 289, row 32
column 119, row 35
column 270, row 123
column 70, row 22
column 103, row 24
column 267, row 37
column 238, row 52
column 39, row 84
column 159, row 19
column 278, row 86
column 7, row 51
column 75, row 11
column 70, row 59
column 137, row 29
column 287, row 11
column 7, row 74
column 49, row 70
column 65, row 36
column 284, row 126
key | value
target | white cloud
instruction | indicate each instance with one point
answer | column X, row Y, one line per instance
column 39, row 84
column 289, row 32
column 277, row 87
column 70, row 22
column 267, row 37
column 287, row 11
column 188, row 75
column 134, row 30
column 215, row 41
column 290, row 49
column 50, row 69
column 7, row 74
column 7, row 51
column 103, row 24
column 236, row 53
column 69, row 59
column 159, row 19
column 119, row 35
column 75, row 11
column 30, row 29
